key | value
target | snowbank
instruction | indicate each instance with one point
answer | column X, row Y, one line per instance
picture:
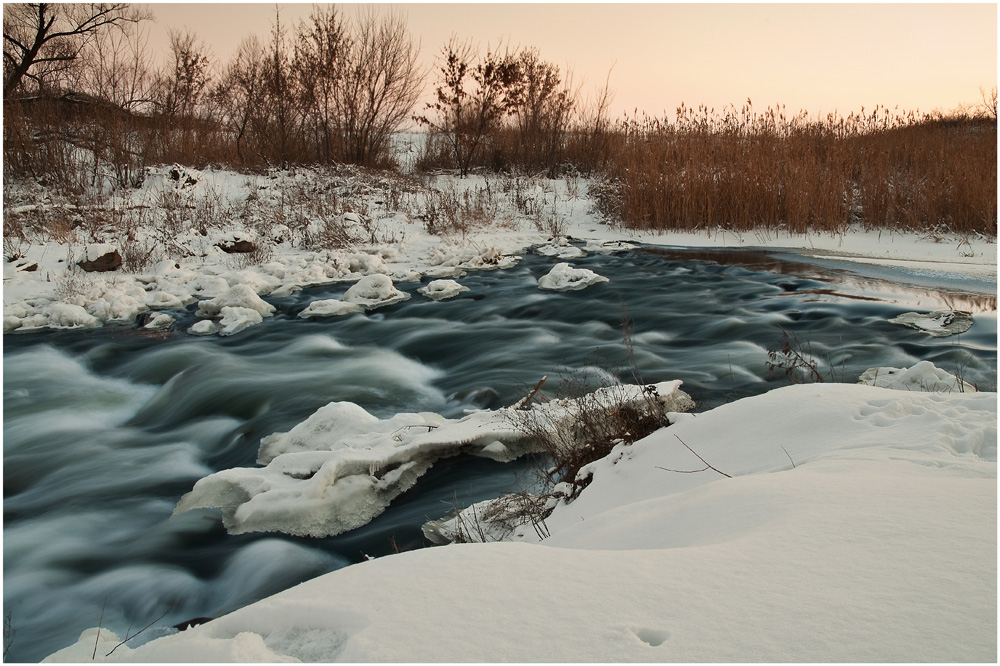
column 243, row 244
column 858, row 525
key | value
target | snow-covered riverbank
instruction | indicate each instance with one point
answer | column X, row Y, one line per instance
column 197, row 236
column 859, row 525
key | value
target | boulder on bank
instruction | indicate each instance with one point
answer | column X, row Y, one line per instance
column 110, row 261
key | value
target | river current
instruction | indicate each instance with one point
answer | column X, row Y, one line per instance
column 105, row 429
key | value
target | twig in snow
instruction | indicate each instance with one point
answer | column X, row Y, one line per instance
column 99, row 624
column 523, row 404
column 789, row 457
column 128, row 637
column 692, row 471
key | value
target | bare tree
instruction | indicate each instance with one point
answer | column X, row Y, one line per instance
column 181, row 88
column 241, row 91
column 318, row 67
column 988, row 107
column 115, row 67
column 541, row 102
column 472, row 99
column 188, row 77
column 41, row 38
column 381, row 84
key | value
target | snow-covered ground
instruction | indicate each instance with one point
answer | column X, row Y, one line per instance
column 812, row 523
column 856, row 524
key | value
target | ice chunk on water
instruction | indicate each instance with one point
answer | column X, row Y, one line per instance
column 205, row 327
column 330, row 308
column 67, row 315
column 374, row 291
column 439, row 290
column 240, row 296
column 564, row 277
column 940, row 323
column 236, row 319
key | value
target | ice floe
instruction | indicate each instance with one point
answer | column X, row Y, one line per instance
column 940, row 323
column 564, row 277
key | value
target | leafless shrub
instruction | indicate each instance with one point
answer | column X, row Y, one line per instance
column 798, row 362
column 8, row 632
column 497, row 520
column 261, row 253
column 514, row 510
column 454, row 211
column 582, row 425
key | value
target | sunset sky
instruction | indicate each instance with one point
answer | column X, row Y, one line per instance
column 817, row 57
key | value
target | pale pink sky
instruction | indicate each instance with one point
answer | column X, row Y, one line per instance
column 817, row 57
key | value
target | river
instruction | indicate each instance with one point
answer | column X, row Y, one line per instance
column 105, row 429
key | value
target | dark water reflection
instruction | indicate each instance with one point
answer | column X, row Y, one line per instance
column 105, row 429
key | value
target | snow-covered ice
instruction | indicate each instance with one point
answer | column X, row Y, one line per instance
column 924, row 376
column 240, row 296
column 564, row 277
column 441, row 290
column 374, row 291
column 330, row 307
column 940, row 323
column 342, row 466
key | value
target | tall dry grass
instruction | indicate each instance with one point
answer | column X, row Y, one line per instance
column 744, row 170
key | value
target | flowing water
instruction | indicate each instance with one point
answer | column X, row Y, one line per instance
column 105, row 429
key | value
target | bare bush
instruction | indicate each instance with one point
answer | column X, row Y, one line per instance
column 580, row 426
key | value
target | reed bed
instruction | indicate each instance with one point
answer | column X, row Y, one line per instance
column 743, row 170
